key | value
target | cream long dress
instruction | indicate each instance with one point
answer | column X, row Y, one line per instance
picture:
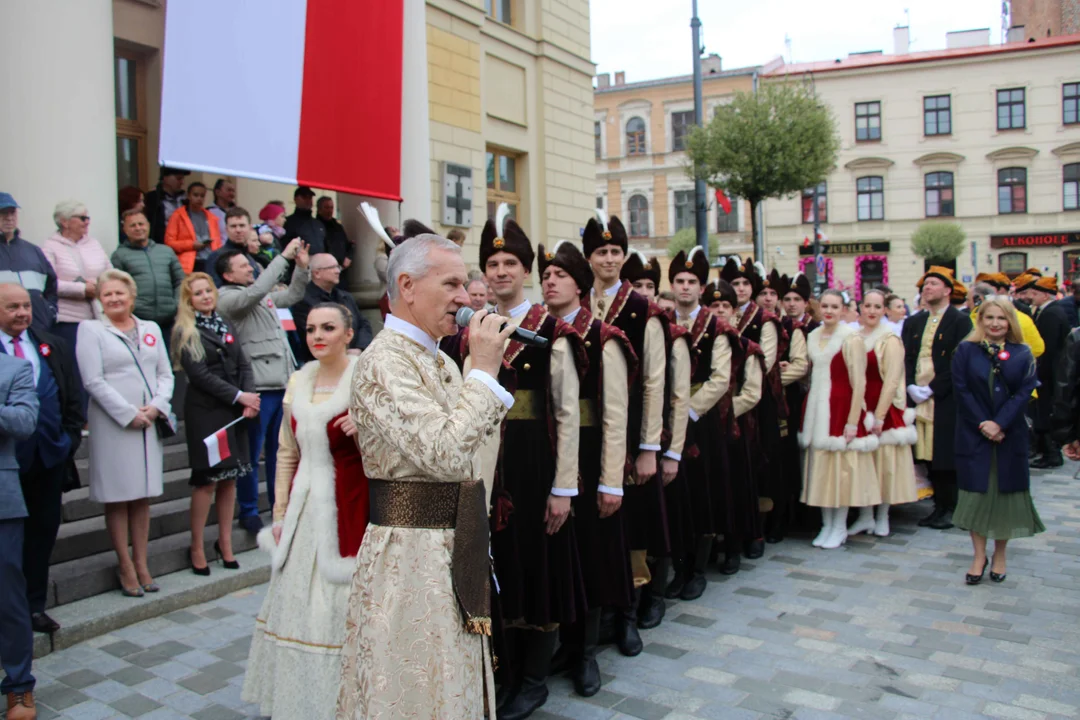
column 837, row 473
column 295, row 662
column 893, row 459
column 407, row 654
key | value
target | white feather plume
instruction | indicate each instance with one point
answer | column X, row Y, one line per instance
column 372, row 216
column 555, row 249
column 721, row 261
column 601, row 215
column 500, row 218
column 760, row 268
column 641, row 256
column 693, row 251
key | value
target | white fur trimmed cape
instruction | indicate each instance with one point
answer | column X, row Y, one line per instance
column 816, row 421
column 313, row 487
column 897, row 434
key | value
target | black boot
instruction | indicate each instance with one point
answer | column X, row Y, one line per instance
column 933, row 517
column 586, row 672
column 626, row 634
column 753, row 549
column 539, row 647
column 732, row 556
column 652, row 608
column 678, row 581
column 608, row 621
column 695, row 585
column 776, row 524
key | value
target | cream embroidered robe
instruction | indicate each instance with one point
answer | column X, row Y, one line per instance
column 406, row 652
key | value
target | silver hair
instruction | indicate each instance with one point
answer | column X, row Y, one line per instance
column 413, row 258
column 985, row 291
column 66, row 209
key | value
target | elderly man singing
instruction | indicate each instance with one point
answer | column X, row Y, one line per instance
column 418, row 618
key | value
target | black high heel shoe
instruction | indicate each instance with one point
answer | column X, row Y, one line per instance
column 976, row 579
column 203, row 571
column 229, row 564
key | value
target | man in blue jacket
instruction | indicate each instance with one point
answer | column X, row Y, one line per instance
column 18, row 418
column 23, row 263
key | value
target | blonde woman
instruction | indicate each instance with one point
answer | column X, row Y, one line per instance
column 125, row 370
column 993, row 374
column 221, row 390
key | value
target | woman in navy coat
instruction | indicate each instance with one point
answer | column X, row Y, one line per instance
column 993, row 376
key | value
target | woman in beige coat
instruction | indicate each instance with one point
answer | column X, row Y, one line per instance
column 126, row 371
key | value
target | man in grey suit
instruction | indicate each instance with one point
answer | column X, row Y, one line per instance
column 18, row 419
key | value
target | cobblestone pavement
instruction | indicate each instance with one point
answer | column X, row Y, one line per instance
column 884, row 628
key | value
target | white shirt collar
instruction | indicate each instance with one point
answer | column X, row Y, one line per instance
column 569, row 318
column 693, row 313
column 520, row 309
column 10, row 339
column 745, row 305
column 412, row 332
column 610, row 291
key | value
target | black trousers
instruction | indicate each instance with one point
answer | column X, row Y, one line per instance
column 43, row 492
column 945, row 492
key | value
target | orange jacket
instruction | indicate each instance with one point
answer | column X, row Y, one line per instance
column 180, row 236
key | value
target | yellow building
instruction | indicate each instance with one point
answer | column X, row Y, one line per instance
column 501, row 88
column 986, row 136
column 638, row 130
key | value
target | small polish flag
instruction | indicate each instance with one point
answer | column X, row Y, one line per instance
column 286, row 318
column 217, row 445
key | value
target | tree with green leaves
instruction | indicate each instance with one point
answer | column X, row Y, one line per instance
column 938, row 242
column 772, row 143
column 686, row 239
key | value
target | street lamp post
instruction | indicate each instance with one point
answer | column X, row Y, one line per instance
column 701, row 220
column 819, row 274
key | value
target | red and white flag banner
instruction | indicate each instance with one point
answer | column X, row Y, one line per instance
column 285, row 317
column 217, row 445
column 305, row 92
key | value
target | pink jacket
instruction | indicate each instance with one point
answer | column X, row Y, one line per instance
column 85, row 259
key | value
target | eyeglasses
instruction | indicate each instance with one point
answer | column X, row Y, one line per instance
column 84, row 218
column 329, row 267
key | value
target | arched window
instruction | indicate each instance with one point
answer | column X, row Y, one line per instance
column 635, row 136
column 639, row 216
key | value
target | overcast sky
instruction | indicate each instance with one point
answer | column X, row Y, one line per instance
column 651, row 38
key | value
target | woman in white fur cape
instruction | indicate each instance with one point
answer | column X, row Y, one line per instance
column 839, row 471
column 890, row 419
column 320, row 515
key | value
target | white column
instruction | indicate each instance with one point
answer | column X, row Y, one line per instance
column 59, row 121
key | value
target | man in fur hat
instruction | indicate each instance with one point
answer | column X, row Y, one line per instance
column 604, row 401
column 1053, row 326
column 605, row 246
column 710, row 347
column 764, row 329
column 930, row 338
column 644, row 274
column 533, row 541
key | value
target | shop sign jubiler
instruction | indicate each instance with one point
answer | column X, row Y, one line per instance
column 1034, row 240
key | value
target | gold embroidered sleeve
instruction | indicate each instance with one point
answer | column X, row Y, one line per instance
column 288, row 455
column 653, row 370
column 891, row 363
column 770, row 343
column 680, row 398
column 749, row 394
column 798, row 359
column 854, row 352
column 719, row 380
column 391, row 401
column 616, row 401
column 564, row 402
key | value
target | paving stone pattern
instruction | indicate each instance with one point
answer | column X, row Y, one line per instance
column 882, row 629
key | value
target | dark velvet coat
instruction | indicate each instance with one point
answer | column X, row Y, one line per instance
column 1053, row 325
column 972, row 367
column 953, row 328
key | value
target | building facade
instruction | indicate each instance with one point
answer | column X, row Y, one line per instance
column 497, row 106
column 1034, row 19
column 638, row 132
column 987, row 137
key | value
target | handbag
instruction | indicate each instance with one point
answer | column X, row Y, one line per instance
column 165, row 425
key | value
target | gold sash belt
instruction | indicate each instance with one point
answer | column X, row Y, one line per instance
column 528, row 405
column 443, row 506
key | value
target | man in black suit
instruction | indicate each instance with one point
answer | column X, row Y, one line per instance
column 1070, row 304
column 46, row 458
column 1053, row 325
column 929, row 341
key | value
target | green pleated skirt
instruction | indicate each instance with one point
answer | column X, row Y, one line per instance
column 996, row 515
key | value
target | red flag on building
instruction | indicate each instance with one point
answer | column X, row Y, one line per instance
column 723, row 201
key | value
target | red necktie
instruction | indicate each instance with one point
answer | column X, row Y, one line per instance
column 18, row 347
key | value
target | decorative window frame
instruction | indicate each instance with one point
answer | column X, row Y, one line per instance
column 883, row 259
column 830, row 277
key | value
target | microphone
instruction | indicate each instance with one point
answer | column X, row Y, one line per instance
column 525, row 337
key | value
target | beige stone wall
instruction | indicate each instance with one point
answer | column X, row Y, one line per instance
column 974, row 152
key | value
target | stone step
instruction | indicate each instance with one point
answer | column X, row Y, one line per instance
column 94, row 574
column 79, row 506
column 83, row 538
column 105, row 613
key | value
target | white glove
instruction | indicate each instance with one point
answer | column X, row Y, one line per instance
column 919, row 393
